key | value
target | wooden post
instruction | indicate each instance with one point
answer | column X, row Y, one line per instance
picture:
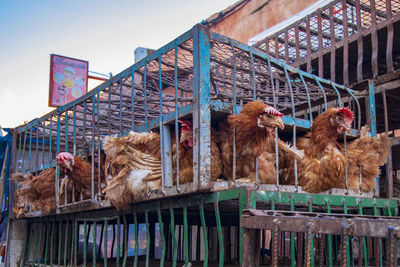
column 251, row 248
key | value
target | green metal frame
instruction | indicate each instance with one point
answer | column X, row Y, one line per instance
column 246, row 197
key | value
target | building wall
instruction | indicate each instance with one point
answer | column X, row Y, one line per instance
column 257, row 16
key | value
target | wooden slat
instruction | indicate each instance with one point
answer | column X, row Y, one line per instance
column 333, row 42
column 346, row 45
column 374, row 40
column 297, row 44
column 308, row 44
column 251, row 248
column 287, row 221
column 359, row 43
column 320, row 56
column 389, row 44
column 286, row 48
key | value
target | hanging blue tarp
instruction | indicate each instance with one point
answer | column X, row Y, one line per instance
column 5, row 154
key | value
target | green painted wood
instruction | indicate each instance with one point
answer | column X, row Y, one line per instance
column 136, row 229
column 146, row 217
column 85, row 236
column 126, row 234
column 173, row 237
column 186, row 236
column 219, row 230
column 105, row 242
column 34, row 244
column 204, row 229
column 164, row 245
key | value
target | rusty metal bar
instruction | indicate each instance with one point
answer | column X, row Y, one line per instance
column 275, row 237
column 359, row 43
column 343, row 254
column 309, row 238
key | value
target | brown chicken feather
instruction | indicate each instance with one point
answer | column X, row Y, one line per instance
column 255, row 138
column 365, row 154
column 39, row 191
column 324, row 163
column 78, row 174
column 135, row 164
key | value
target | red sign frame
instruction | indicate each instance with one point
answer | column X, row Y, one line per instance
column 68, row 79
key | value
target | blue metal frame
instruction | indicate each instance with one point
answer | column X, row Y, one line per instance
column 201, row 104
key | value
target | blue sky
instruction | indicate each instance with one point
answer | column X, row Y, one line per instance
column 103, row 32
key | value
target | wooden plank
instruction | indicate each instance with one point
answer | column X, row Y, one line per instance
column 333, row 48
column 345, row 45
column 276, row 47
column 297, row 45
column 395, row 75
column 359, row 43
column 286, row 48
column 320, row 56
column 387, row 86
column 390, row 32
column 308, row 58
column 288, row 221
column 251, row 248
column 374, row 40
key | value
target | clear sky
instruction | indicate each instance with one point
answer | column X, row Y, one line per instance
column 105, row 33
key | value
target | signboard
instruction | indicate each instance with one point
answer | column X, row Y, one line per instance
column 68, row 79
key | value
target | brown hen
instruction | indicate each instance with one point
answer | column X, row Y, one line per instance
column 39, row 191
column 134, row 164
column 255, row 138
column 77, row 173
column 324, row 163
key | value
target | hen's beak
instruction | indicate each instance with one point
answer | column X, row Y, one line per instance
column 278, row 123
column 346, row 127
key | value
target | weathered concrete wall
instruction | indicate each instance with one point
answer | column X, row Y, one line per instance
column 257, row 16
column 15, row 244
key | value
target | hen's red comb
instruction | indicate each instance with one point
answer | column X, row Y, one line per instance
column 185, row 123
column 271, row 110
column 347, row 113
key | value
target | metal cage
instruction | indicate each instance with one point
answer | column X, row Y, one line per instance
column 199, row 75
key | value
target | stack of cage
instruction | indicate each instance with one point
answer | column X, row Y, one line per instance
column 203, row 77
